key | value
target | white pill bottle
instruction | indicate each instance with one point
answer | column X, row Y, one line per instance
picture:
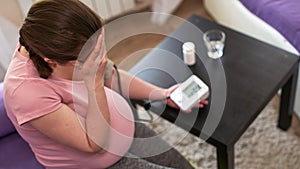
column 188, row 50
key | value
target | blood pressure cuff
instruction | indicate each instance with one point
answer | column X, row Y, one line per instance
column 108, row 71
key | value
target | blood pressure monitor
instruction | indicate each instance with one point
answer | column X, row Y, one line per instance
column 190, row 92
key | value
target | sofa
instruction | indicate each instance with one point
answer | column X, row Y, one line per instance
column 15, row 153
column 274, row 22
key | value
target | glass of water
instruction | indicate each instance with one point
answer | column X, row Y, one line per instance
column 214, row 41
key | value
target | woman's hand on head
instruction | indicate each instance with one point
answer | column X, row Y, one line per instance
column 92, row 70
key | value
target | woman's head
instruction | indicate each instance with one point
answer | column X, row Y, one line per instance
column 57, row 30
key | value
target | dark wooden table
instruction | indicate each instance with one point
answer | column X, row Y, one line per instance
column 241, row 83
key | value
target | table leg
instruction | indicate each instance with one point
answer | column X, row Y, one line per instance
column 225, row 157
column 287, row 101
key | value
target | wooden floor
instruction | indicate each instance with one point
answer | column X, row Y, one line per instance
column 189, row 7
column 145, row 41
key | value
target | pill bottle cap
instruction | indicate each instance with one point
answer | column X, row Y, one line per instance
column 188, row 47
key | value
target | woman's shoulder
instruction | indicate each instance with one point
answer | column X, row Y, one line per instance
column 26, row 86
column 22, row 75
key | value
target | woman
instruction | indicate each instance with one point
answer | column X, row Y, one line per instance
column 59, row 95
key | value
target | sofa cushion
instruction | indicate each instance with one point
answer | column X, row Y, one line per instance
column 283, row 15
column 16, row 154
column 6, row 125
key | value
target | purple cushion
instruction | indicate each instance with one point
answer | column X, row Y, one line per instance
column 6, row 125
column 282, row 15
column 15, row 153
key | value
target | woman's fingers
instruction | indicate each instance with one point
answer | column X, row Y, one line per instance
column 204, row 102
column 91, row 63
column 99, row 50
column 200, row 105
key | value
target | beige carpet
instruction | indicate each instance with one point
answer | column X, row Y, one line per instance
column 263, row 145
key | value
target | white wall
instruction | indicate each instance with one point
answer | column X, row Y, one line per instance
column 105, row 8
column 10, row 10
column 10, row 19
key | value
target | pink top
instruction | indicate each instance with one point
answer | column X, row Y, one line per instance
column 27, row 96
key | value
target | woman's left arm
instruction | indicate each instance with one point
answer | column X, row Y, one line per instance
column 136, row 88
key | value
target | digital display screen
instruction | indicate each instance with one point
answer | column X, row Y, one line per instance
column 191, row 89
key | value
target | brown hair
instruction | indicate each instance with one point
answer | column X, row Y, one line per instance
column 57, row 29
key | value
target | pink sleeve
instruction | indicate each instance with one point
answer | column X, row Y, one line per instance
column 32, row 100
